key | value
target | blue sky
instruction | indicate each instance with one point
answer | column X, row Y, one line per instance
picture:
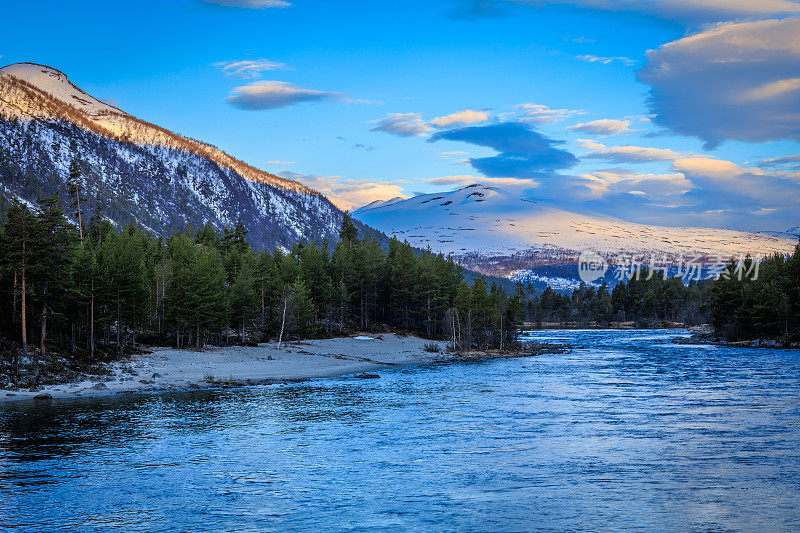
column 678, row 112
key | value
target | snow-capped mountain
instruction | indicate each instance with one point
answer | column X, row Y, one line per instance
column 134, row 171
column 497, row 233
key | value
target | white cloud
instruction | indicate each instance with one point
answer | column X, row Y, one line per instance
column 280, row 162
column 763, row 211
column 273, row 94
column 251, row 4
column 588, row 144
column 719, row 170
column 249, row 68
column 580, row 39
column 511, row 184
column 727, row 183
column 730, row 81
column 606, row 126
column 629, row 154
column 541, row 114
column 413, row 125
column 460, row 118
column 605, row 60
column 659, row 187
column 456, row 157
column 347, row 193
column 403, row 125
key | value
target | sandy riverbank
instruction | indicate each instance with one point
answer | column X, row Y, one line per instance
column 171, row 369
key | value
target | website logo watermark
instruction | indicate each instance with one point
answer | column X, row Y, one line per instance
column 593, row 266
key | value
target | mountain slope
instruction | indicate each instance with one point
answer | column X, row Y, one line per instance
column 134, row 171
column 494, row 232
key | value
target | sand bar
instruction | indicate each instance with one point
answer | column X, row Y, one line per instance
column 171, row 369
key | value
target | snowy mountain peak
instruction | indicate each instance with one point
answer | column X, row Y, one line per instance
column 137, row 172
column 37, row 92
column 475, row 199
column 495, row 232
column 379, row 203
column 56, row 84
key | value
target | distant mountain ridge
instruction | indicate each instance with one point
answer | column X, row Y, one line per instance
column 494, row 232
column 135, row 171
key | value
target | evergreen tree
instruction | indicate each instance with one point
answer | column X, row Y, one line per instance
column 178, row 300
column 300, row 311
column 267, row 285
column 84, row 276
column 54, row 239
column 209, row 311
column 243, row 296
column 348, row 231
column 76, row 193
column 18, row 249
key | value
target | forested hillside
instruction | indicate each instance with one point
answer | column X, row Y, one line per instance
column 92, row 292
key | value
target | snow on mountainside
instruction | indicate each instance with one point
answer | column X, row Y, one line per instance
column 58, row 86
column 134, row 171
column 494, row 232
column 381, row 203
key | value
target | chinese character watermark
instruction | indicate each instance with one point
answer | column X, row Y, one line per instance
column 592, row 266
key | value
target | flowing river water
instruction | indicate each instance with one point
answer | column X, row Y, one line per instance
column 628, row 431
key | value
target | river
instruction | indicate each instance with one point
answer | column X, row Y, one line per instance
column 628, row 431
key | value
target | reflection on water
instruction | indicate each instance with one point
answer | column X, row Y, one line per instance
column 628, row 431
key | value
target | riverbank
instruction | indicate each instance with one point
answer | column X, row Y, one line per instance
column 166, row 369
column 705, row 335
column 776, row 344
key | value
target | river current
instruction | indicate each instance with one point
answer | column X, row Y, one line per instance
column 627, row 431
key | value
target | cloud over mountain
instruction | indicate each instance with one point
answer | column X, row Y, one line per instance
column 600, row 184
column 732, row 185
column 348, row 193
column 523, row 152
column 511, row 184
